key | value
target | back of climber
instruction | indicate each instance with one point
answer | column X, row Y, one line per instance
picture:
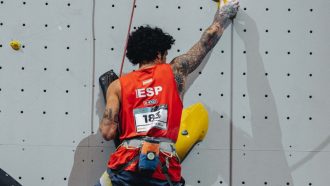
column 145, row 105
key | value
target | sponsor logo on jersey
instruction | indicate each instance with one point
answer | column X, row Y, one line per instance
column 147, row 81
column 148, row 92
column 150, row 102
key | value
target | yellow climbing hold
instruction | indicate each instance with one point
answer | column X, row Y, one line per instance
column 105, row 179
column 220, row 1
column 16, row 45
column 193, row 128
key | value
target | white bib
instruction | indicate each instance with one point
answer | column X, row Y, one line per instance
column 150, row 117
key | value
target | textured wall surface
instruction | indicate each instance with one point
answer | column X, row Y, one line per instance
column 265, row 86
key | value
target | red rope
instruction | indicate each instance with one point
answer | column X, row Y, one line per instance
column 128, row 32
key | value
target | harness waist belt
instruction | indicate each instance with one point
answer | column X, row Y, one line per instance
column 165, row 144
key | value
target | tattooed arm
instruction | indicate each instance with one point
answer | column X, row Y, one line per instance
column 110, row 120
column 188, row 62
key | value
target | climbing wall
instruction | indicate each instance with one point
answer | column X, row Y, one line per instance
column 45, row 88
column 264, row 86
column 280, row 93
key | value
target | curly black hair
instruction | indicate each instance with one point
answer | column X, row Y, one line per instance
column 145, row 43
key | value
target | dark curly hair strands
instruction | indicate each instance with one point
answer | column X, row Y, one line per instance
column 145, row 43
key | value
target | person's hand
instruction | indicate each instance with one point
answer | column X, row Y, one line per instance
column 229, row 9
column 226, row 12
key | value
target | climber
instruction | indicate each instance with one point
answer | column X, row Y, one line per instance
column 146, row 105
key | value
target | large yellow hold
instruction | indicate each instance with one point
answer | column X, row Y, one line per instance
column 193, row 128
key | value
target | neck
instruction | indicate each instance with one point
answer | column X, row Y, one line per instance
column 146, row 65
column 150, row 64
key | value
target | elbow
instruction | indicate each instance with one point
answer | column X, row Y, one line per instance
column 108, row 133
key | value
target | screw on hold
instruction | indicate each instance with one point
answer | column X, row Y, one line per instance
column 16, row 45
column 184, row 132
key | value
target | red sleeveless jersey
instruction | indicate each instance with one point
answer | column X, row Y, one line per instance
column 150, row 106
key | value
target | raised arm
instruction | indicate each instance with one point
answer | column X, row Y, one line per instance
column 110, row 119
column 188, row 62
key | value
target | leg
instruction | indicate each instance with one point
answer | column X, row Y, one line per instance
column 124, row 178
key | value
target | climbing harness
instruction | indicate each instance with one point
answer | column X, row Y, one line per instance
column 148, row 156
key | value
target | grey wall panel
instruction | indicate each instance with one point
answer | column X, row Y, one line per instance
column 310, row 167
column 278, row 79
column 46, row 80
column 37, row 165
column 111, row 25
column 212, row 167
column 88, row 165
column 276, row 83
column 280, row 168
column 46, row 88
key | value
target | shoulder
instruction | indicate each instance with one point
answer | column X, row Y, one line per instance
column 115, row 83
column 174, row 64
column 180, row 65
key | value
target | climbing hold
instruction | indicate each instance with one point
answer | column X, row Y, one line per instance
column 220, row 1
column 195, row 120
column 16, row 45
